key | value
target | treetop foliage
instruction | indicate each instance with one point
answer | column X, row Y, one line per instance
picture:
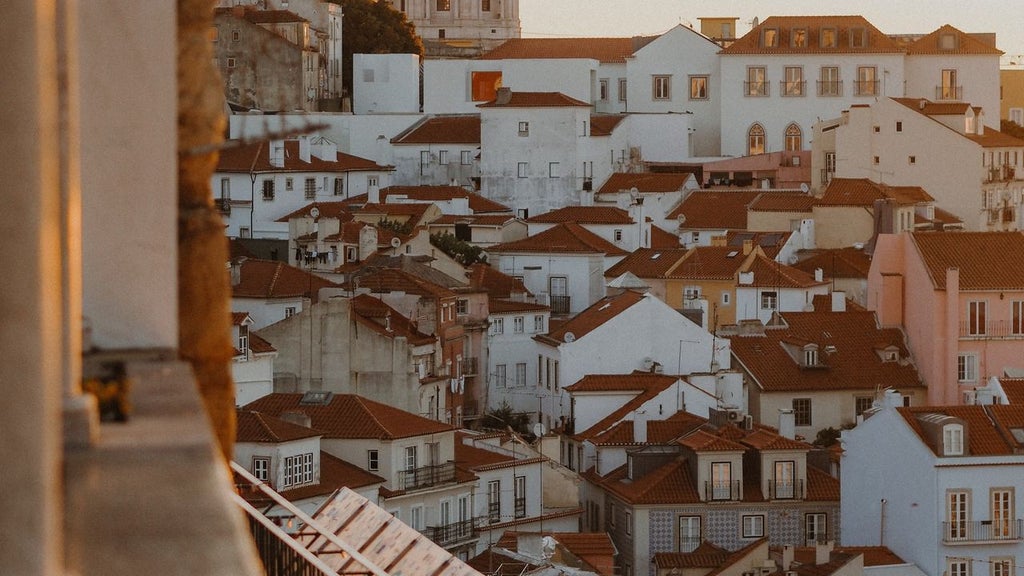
column 374, row 27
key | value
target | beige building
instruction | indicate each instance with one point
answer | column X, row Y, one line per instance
column 461, row 27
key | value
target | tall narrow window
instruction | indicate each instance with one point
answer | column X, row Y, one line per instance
column 1002, row 513
column 310, row 188
column 520, row 496
column 802, row 411
column 494, row 501
column 867, row 83
column 815, row 528
column 268, row 190
column 689, row 533
column 794, row 138
column 755, row 140
column 410, row 458
column 784, row 481
column 1017, row 318
column 721, row 481
column 952, row 440
column 976, row 318
column 662, row 89
column 957, row 514
column 828, row 84
column 793, row 85
column 966, row 368
column 622, row 89
column 261, row 468
column 698, row 87
column 756, row 84
column 949, row 89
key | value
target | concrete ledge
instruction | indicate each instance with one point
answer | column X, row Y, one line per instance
column 152, row 496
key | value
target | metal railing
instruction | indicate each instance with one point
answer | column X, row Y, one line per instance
column 982, row 531
column 830, row 87
column 494, row 511
column 560, row 304
column 756, row 88
column 949, row 92
column 722, row 490
column 452, row 534
column 470, row 366
column 991, row 329
column 792, row 87
column 865, row 87
column 790, row 490
column 520, row 506
column 426, row 476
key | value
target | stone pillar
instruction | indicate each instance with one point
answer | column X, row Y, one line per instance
column 30, row 293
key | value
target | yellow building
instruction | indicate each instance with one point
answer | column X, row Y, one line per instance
column 1011, row 95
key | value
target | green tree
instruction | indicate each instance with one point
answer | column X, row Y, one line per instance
column 374, row 27
column 463, row 252
column 504, row 417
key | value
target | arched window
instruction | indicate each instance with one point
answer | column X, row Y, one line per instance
column 755, row 140
column 794, row 138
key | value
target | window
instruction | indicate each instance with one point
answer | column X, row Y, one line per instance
column 372, row 181
column 793, row 85
column 244, row 232
column 828, row 84
column 602, row 89
column 289, row 311
column 243, row 340
column 538, row 323
column 662, row 88
column 225, row 188
column 967, row 368
column 899, row 126
column 518, row 324
column 798, row 38
column 416, row 517
column 721, row 481
column 1017, row 117
column 485, row 85
column 372, row 460
column 770, row 37
column 462, row 306
column 698, row 87
column 444, row 5
column 261, row 468
column 628, row 521
column 755, row 140
column 268, row 190
column 957, row 512
column 952, row 440
column 911, row 159
column 784, row 480
column 753, row 526
column 424, row 161
column 858, row 38
column 524, row 128
column 231, row 62
column 862, row 404
column 802, row 411
column 769, row 300
column 552, row 169
column 410, row 458
column 828, row 38
column 794, row 138
column 811, row 356
column 520, row 496
column 310, row 188
column 494, row 501
column 756, row 84
column 520, row 374
column 466, row 157
column 298, row 469
column 1002, row 566
column 521, row 169
column 1017, row 319
column 875, row 159
column 500, row 377
column 497, row 325
column 726, row 298
column 949, row 89
column 867, row 85
column 691, row 292
column 689, row 533
column 485, row 5
column 815, row 528
column 442, row 157
column 976, row 317
column 957, row 566
column 622, row 89
column 235, row 36
column 288, row 184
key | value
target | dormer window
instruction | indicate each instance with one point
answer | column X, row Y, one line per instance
column 953, row 440
column 947, row 41
column 243, row 340
column 828, row 38
column 798, row 38
column 811, row 355
column 770, row 38
column 858, row 38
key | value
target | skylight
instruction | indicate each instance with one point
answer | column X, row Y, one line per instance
column 655, row 256
column 732, row 254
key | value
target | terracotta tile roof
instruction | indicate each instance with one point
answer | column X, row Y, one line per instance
column 477, row 459
column 240, row 159
column 835, row 263
column 701, row 441
column 584, row 215
column 965, row 44
column 498, row 306
column 380, row 280
column 565, row 238
column 669, row 484
column 484, row 220
column 771, row 243
column 836, row 563
column 593, row 317
column 706, row 555
column 855, row 363
column 412, row 213
column 607, row 50
column 648, row 262
column 663, row 239
column 783, row 202
column 579, row 543
column 988, row 426
column 258, row 345
column 740, row 558
column 762, row 439
column 237, row 250
column 442, row 129
column 604, row 124
column 386, row 321
column 273, row 279
column 263, row 429
column 877, row 42
column 709, row 263
column 349, row 416
column 426, row 194
column 636, row 381
column 418, row 265
column 821, row 487
column 715, row 209
column 341, row 210
column 873, row 555
column 496, row 283
column 536, row 100
column 237, row 318
column 1014, row 389
column 650, row 182
column 769, row 273
column 658, row 431
column 993, row 138
column 987, row 260
column 929, row 108
column 494, row 562
column 864, row 192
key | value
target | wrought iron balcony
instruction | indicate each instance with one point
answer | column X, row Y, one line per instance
column 793, row 87
column 789, row 490
column 865, row 87
column 452, row 534
column 520, row 507
column 830, row 87
column 756, row 88
column 949, row 92
column 494, row 511
column 972, row 532
column 224, row 205
column 991, row 329
column 721, row 491
column 470, row 366
column 560, row 304
column 426, row 476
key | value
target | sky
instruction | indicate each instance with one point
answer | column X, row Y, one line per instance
column 573, row 18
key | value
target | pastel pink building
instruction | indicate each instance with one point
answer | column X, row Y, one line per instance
column 959, row 297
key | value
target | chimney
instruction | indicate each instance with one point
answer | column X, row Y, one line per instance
column 892, row 399
column 640, row 427
column 787, row 557
column 367, row 242
column 236, row 272
column 304, row 148
column 819, row 275
column 504, row 96
column 822, row 552
column 373, row 194
column 277, row 153
column 839, row 301
column 296, row 417
column 748, row 246
column 787, row 423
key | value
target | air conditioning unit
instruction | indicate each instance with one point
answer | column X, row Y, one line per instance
column 748, row 422
column 735, row 415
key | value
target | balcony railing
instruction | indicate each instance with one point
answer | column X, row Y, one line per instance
column 991, row 329
column 520, row 507
column 426, row 476
column 949, row 92
column 560, row 304
column 792, row 87
column 224, row 205
column 982, row 531
column 494, row 511
column 689, row 543
column 470, row 366
column 865, row 87
column 755, row 88
column 791, row 490
column 722, row 490
column 830, row 87
column 452, row 534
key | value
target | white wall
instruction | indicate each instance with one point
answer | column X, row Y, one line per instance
column 510, row 348
column 978, row 74
column 385, row 83
column 254, row 378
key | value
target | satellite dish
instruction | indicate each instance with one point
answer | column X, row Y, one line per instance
column 681, row 219
column 569, row 337
column 793, row 259
column 804, row 187
column 395, row 242
column 314, row 212
column 538, row 429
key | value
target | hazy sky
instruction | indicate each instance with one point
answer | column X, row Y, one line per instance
column 555, row 18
